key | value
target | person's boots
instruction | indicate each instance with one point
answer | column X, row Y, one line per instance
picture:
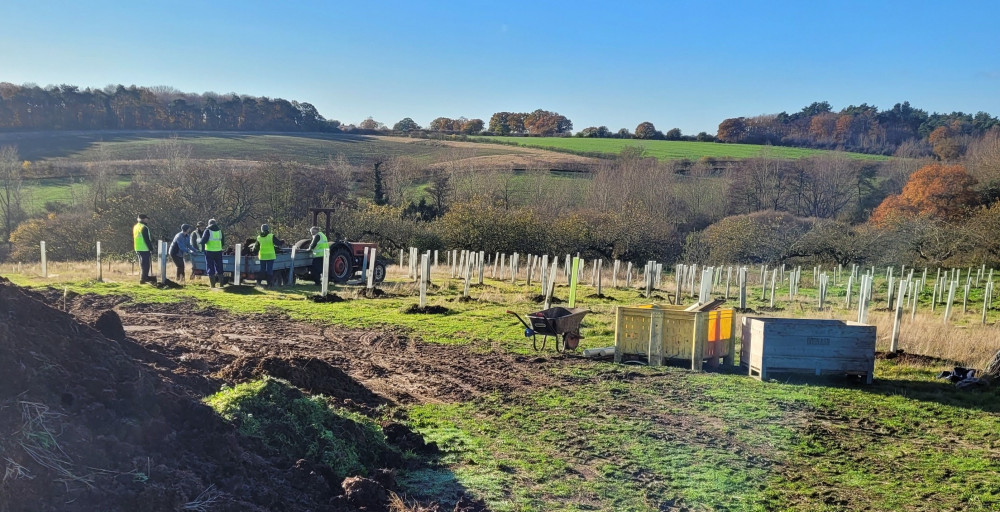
column 212, row 280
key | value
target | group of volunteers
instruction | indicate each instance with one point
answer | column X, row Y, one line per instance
column 211, row 241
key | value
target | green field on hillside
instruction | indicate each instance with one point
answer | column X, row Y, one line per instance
column 67, row 191
column 668, row 149
column 307, row 148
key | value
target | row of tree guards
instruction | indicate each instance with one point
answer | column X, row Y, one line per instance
column 472, row 266
column 903, row 287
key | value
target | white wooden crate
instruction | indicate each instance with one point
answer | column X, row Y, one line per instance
column 807, row 346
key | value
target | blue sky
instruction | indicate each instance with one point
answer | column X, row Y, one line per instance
column 678, row 64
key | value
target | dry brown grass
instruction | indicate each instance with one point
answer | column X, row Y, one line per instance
column 968, row 344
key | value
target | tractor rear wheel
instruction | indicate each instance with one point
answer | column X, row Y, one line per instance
column 341, row 265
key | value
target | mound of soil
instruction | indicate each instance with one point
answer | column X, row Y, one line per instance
column 110, row 325
column 330, row 297
column 376, row 293
column 401, row 436
column 86, row 427
column 902, row 357
column 540, row 299
column 426, row 310
column 313, row 375
column 167, row 285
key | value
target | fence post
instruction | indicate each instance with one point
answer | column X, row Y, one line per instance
column 600, row 268
column 45, row 263
column 325, row 275
column 551, row 284
column 574, row 277
column 364, row 265
column 371, row 270
column 951, row 298
column 238, row 264
column 162, row 247
column 482, row 266
column 894, row 341
column 742, row 274
column 100, row 270
column 424, row 264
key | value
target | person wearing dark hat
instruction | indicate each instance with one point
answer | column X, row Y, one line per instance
column 143, row 245
column 266, row 243
column 213, row 240
column 195, row 241
column 180, row 247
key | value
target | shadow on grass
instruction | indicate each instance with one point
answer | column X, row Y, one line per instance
column 986, row 399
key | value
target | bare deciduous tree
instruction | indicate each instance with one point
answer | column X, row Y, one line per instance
column 10, row 189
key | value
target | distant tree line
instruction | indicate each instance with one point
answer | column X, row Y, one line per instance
column 645, row 130
column 116, row 107
column 822, row 209
column 863, row 128
column 540, row 122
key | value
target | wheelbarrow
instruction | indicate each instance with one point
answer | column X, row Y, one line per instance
column 554, row 322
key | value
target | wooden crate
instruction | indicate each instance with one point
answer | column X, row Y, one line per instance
column 662, row 332
column 807, row 346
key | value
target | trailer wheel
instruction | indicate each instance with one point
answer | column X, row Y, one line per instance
column 378, row 274
column 341, row 265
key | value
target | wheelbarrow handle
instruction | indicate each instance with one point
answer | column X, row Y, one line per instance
column 526, row 326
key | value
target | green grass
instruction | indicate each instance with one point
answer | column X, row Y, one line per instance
column 641, row 439
column 309, row 148
column 66, row 191
column 613, row 437
column 669, row 150
column 289, row 424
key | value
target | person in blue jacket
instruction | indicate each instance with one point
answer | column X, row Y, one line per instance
column 180, row 247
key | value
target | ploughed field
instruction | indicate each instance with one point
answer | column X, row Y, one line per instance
column 102, row 399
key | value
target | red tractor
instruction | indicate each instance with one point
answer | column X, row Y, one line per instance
column 346, row 258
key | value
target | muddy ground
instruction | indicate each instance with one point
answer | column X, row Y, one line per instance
column 100, row 401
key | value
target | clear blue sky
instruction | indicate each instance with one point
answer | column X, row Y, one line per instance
column 677, row 64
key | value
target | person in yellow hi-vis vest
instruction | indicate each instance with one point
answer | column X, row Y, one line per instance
column 266, row 242
column 143, row 245
column 316, row 245
column 213, row 240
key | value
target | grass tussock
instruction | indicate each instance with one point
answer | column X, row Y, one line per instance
column 290, row 424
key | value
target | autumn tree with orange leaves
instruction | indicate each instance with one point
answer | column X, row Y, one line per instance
column 937, row 191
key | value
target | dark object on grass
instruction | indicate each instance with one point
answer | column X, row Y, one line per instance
column 166, row 284
column 330, row 297
column 426, row 310
column 964, row 378
column 540, row 299
column 958, row 374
